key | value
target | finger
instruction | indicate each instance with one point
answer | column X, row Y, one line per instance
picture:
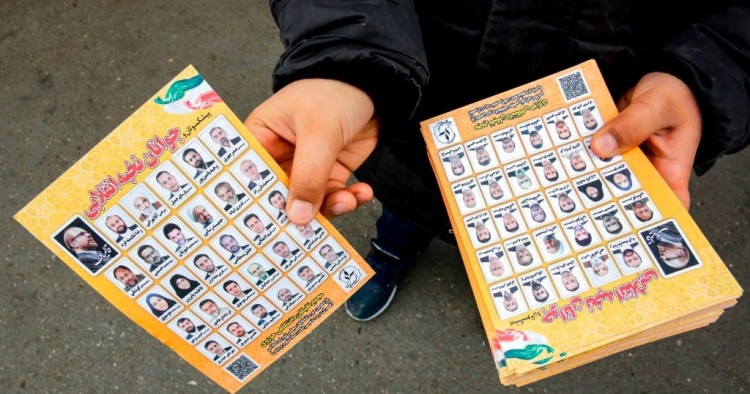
column 314, row 158
column 338, row 203
column 341, row 201
column 277, row 147
column 676, row 174
column 362, row 192
column 684, row 196
column 647, row 114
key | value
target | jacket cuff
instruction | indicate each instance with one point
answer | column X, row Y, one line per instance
column 393, row 82
column 719, row 85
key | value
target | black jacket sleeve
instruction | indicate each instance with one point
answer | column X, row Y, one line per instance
column 712, row 57
column 375, row 45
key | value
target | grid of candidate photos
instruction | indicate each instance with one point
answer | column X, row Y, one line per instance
column 546, row 217
column 218, row 267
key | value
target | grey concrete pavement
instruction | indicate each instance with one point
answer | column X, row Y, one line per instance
column 73, row 70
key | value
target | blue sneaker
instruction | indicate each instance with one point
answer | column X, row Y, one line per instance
column 397, row 244
column 374, row 297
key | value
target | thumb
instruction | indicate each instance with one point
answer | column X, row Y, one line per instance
column 647, row 114
column 314, row 157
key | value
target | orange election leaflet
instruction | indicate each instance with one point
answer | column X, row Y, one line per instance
column 570, row 257
column 178, row 219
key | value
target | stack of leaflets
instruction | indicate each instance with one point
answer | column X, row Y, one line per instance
column 178, row 219
column 570, row 257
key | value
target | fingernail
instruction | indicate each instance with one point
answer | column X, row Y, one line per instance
column 301, row 211
column 606, row 144
column 361, row 198
column 339, row 209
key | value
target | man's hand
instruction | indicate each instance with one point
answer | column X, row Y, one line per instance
column 319, row 131
column 660, row 114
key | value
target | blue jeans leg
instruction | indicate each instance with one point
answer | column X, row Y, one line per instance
column 400, row 239
column 396, row 244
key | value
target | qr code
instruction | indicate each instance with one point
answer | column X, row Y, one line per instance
column 242, row 367
column 573, row 86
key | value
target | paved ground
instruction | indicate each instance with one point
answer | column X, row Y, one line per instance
column 72, row 71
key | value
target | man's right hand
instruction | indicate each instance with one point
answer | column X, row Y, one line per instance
column 661, row 115
column 319, row 131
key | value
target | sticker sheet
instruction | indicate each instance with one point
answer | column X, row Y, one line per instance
column 178, row 219
column 566, row 251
